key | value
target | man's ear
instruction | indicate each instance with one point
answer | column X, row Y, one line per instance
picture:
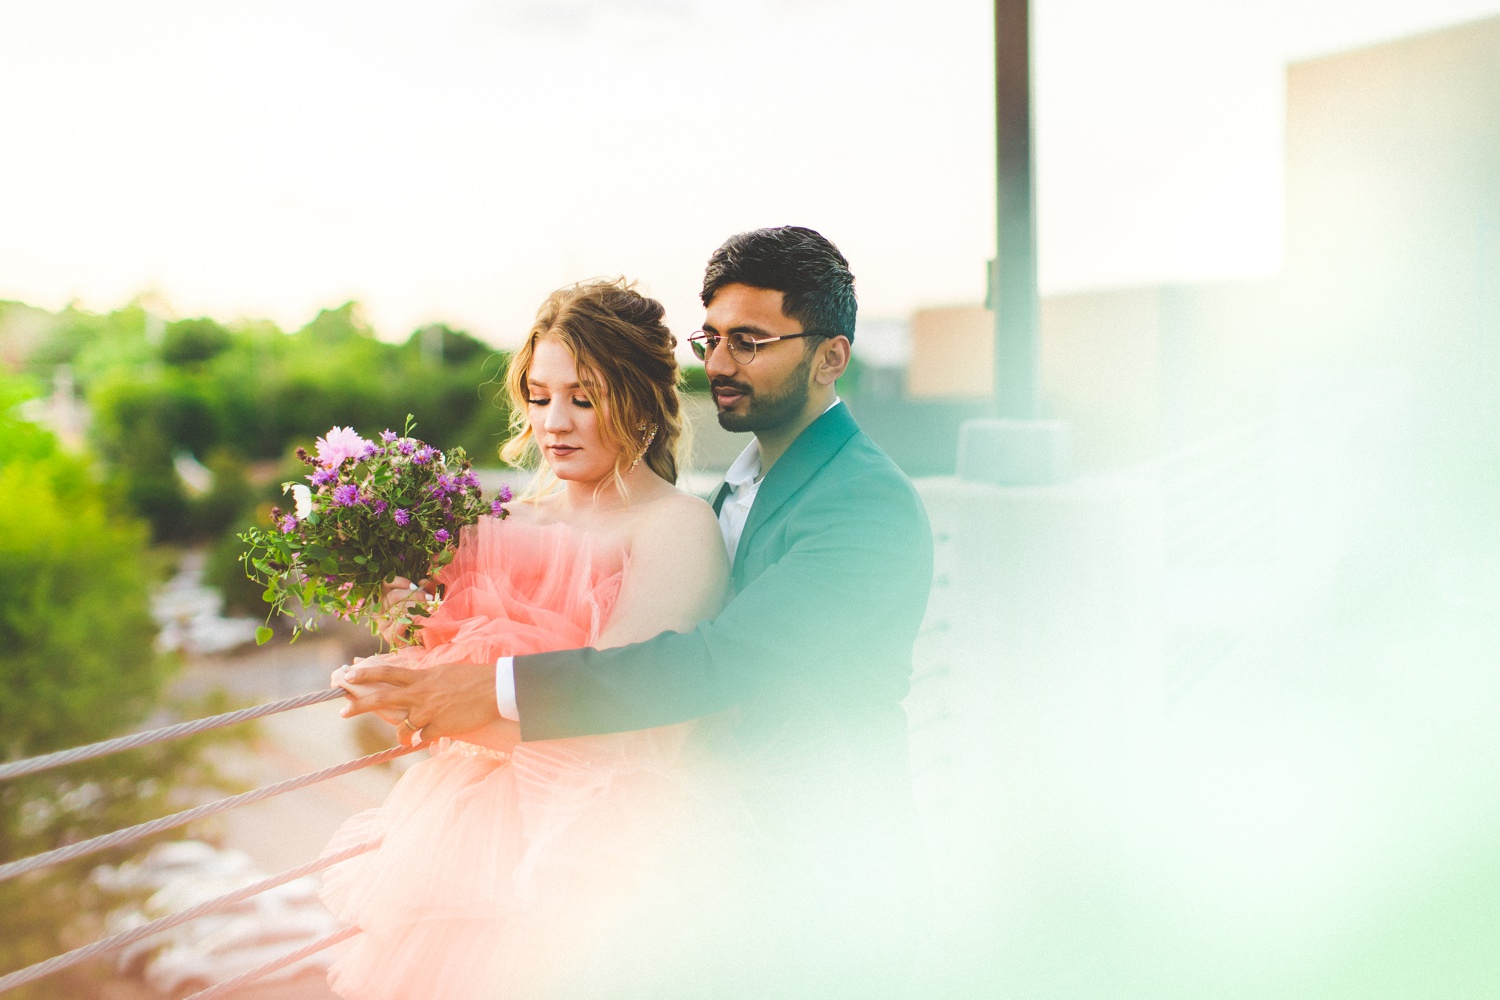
column 831, row 361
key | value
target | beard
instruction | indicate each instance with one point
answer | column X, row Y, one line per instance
column 764, row 411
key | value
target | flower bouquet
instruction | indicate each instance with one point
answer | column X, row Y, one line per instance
column 374, row 511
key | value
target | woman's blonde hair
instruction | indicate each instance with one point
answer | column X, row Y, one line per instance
column 627, row 362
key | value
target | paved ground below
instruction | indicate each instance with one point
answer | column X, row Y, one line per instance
column 291, row 829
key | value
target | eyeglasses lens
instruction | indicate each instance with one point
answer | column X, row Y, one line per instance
column 741, row 347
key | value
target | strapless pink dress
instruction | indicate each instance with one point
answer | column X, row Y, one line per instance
column 548, row 870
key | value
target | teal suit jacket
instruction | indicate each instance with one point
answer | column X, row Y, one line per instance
column 830, row 584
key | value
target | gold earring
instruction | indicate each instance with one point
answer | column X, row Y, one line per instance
column 648, row 434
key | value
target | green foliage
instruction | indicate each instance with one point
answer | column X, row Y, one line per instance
column 254, row 392
column 77, row 665
column 225, row 572
column 338, row 326
column 96, row 344
column 694, row 379
column 191, row 342
column 231, row 495
column 75, row 628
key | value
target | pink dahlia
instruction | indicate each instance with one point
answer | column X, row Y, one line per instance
column 339, row 446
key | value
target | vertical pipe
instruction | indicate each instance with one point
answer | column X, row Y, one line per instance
column 1015, row 295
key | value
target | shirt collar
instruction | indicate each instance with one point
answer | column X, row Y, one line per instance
column 746, row 469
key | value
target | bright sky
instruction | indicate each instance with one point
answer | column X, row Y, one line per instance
column 457, row 160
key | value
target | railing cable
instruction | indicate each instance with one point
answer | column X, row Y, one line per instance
column 68, row 959
column 31, row 765
column 245, row 978
column 125, row 836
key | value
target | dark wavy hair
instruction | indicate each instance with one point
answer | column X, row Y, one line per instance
column 813, row 277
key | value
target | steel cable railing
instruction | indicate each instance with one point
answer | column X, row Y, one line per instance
column 31, row 765
column 260, row 971
column 105, row 945
column 25, row 866
column 245, row 978
column 140, row 830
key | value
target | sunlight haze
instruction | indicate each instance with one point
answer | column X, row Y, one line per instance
column 458, row 163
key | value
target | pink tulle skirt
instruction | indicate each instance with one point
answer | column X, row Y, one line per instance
column 563, row 868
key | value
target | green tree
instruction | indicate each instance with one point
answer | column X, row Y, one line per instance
column 191, row 342
column 77, row 664
column 158, row 389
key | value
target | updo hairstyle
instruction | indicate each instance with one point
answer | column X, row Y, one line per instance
column 627, row 363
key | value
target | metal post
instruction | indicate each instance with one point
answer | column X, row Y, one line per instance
column 1015, row 292
column 1015, row 447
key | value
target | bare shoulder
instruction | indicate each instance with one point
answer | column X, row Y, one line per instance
column 681, row 510
column 675, row 514
column 532, row 510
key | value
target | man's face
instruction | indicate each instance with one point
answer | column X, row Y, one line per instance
column 772, row 390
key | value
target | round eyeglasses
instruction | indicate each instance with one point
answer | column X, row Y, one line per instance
column 741, row 345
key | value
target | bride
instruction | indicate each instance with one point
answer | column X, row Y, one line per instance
column 565, row 867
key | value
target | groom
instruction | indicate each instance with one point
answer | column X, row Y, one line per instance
column 831, row 565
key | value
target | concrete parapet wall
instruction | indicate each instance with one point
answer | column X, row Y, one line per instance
column 1036, row 676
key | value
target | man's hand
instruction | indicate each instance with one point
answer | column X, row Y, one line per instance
column 447, row 699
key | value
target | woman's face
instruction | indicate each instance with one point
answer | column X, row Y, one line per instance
column 563, row 420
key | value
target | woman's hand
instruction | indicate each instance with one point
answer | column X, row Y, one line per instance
column 397, row 594
column 354, row 690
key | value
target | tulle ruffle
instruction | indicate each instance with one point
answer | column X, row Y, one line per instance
column 563, row 866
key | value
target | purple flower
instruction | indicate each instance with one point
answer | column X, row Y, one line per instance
column 444, row 486
column 323, row 477
column 388, row 435
column 369, row 449
column 505, row 494
column 401, row 517
column 380, row 506
column 497, row 508
column 339, row 446
column 346, row 495
column 288, row 523
column 442, row 536
column 406, row 446
column 423, row 455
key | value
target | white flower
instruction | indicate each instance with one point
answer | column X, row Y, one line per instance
column 302, row 495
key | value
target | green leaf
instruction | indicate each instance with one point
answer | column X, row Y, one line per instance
column 328, row 566
column 362, row 560
column 263, row 635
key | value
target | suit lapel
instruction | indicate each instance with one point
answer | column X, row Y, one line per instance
column 809, row 453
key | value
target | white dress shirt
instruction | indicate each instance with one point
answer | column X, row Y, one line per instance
column 744, row 479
